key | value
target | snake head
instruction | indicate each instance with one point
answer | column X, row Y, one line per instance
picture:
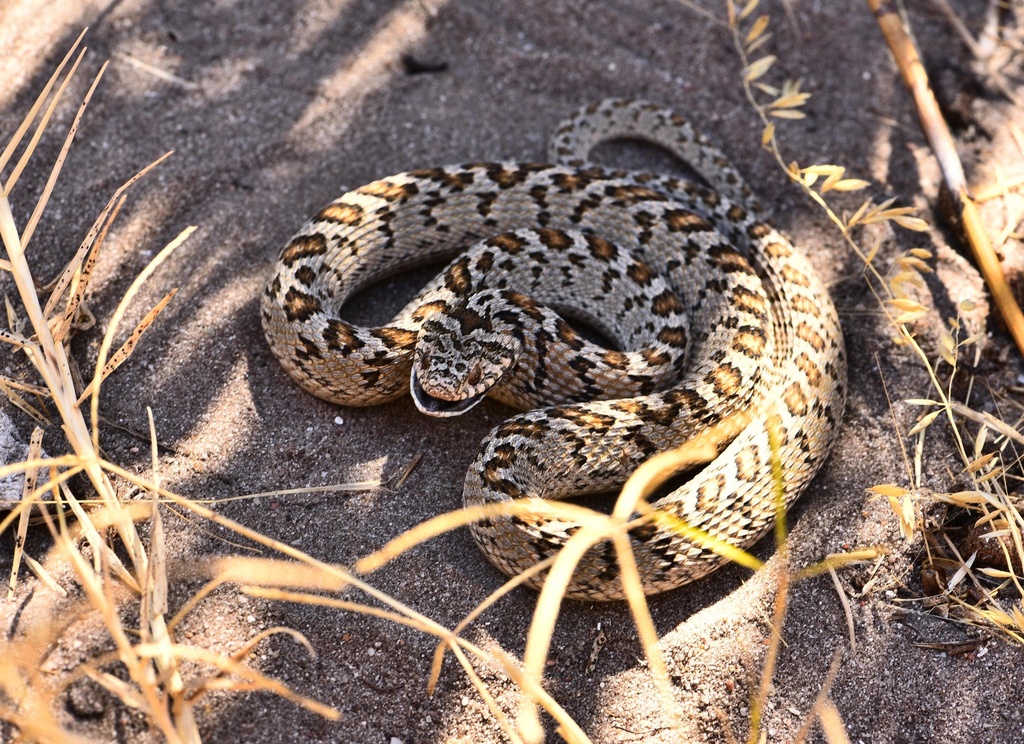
column 461, row 354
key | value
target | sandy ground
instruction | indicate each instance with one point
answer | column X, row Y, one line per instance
column 274, row 108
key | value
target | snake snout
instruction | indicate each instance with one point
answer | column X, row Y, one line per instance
column 456, row 364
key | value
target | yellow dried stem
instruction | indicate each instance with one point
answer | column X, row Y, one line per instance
column 27, row 490
column 41, row 126
column 40, row 99
column 76, row 274
column 115, row 320
column 44, row 197
column 120, row 356
column 19, row 402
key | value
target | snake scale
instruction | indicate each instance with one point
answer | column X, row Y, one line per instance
column 711, row 311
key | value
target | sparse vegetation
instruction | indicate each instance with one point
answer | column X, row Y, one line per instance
column 113, row 554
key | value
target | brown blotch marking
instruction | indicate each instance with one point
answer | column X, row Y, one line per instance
column 274, row 287
column 306, row 275
column 303, row 246
column 811, row 337
column 526, row 429
column 395, row 338
column 750, row 341
column 809, row 368
column 526, row 305
column 568, row 336
column 629, row 195
column 458, row 279
column 680, row 220
column 673, row 336
column 571, row 182
column 656, row 358
column 556, row 240
column 507, row 242
column 587, row 419
column 502, row 456
column 640, row 273
column 689, row 399
column 614, row 359
column 506, row 177
column 747, row 464
column 429, row 174
column 427, row 309
column 343, row 214
column 600, row 248
column 628, row 405
column 795, row 400
column 340, row 336
column 456, row 180
column 794, row 276
column 664, row 415
column 759, row 230
column 736, row 213
column 749, row 301
column 725, row 379
column 728, row 259
column 484, row 262
column 779, row 249
column 666, row 303
column 389, row 190
column 805, row 305
column 471, row 320
column 299, row 305
column 711, row 198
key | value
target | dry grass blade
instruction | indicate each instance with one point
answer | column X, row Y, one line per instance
column 115, row 320
column 28, row 488
column 12, row 145
column 481, row 688
column 453, row 520
column 95, row 539
column 11, row 337
column 23, row 505
column 23, row 405
column 120, row 356
column 568, row 729
column 850, row 627
column 824, row 710
column 26, row 156
column 95, row 233
column 44, row 197
column 492, row 598
column 77, row 274
column 228, row 666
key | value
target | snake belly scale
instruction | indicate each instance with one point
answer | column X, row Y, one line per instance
column 716, row 316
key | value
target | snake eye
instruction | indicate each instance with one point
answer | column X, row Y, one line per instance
column 474, row 375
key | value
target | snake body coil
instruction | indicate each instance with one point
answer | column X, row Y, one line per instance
column 717, row 316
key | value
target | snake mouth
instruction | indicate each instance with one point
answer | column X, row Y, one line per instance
column 433, row 406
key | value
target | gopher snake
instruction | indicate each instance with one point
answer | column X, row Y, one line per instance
column 669, row 270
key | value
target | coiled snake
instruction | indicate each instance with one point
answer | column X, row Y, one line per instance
column 712, row 310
